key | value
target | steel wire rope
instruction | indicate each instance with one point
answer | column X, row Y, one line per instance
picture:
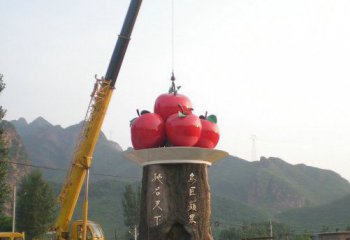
column 64, row 170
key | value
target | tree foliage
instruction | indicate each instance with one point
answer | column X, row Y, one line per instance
column 4, row 187
column 131, row 210
column 324, row 229
column 2, row 87
column 131, row 206
column 256, row 230
column 347, row 227
column 36, row 205
column 5, row 223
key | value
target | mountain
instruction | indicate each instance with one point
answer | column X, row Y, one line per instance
column 275, row 185
column 52, row 146
column 241, row 190
column 270, row 184
column 333, row 215
column 17, row 154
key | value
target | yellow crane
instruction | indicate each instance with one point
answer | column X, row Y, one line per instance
column 82, row 157
column 11, row 236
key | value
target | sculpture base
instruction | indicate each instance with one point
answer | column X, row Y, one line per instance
column 175, row 197
column 175, row 155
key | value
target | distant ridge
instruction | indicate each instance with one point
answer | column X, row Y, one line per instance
column 333, row 215
column 271, row 183
column 39, row 123
column 241, row 190
column 52, row 146
column 276, row 185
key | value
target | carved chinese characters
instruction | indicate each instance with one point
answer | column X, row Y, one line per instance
column 192, row 203
column 175, row 202
column 157, row 182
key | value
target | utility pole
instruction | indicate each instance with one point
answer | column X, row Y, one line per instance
column 271, row 230
column 14, row 210
column 134, row 232
column 253, row 156
column 115, row 234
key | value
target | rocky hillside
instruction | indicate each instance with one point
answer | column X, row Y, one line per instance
column 16, row 153
column 275, row 185
column 334, row 215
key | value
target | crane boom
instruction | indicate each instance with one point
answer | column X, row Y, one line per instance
column 90, row 130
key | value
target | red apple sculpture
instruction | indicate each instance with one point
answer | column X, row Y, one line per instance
column 147, row 131
column 210, row 132
column 183, row 129
column 167, row 104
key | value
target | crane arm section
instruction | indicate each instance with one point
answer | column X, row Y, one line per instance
column 92, row 124
column 82, row 157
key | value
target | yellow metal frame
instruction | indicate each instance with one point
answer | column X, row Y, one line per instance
column 12, row 235
column 82, row 156
column 78, row 223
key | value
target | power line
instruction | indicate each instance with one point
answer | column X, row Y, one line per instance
column 62, row 169
column 35, row 166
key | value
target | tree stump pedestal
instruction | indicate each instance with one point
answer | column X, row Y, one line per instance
column 175, row 197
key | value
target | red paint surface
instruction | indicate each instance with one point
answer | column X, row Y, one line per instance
column 210, row 135
column 183, row 131
column 167, row 104
column 148, row 131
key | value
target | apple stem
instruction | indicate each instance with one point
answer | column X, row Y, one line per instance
column 172, row 76
column 173, row 82
column 206, row 114
column 181, row 108
column 138, row 112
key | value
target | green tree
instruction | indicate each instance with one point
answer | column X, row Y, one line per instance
column 304, row 236
column 2, row 87
column 36, row 205
column 324, row 229
column 256, row 230
column 230, row 234
column 4, row 187
column 131, row 208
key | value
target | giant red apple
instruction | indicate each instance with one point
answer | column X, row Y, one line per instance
column 210, row 132
column 183, row 129
column 167, row 104
column 147, row 131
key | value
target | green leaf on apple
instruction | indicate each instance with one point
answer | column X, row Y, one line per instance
column 144, row 112
column 181, row 115
column 132, row 121
column 212, row 118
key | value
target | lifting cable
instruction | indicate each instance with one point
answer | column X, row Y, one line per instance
column 172, row 41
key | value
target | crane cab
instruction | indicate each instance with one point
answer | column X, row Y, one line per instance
column 11, row 236
column 94, row 231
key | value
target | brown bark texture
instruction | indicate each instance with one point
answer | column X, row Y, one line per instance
column 175, row 202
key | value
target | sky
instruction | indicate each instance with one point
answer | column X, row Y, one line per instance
column 276, row 69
